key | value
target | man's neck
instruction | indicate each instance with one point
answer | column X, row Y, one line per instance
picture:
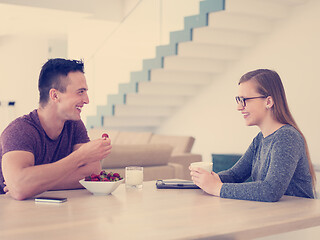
column 50, row 121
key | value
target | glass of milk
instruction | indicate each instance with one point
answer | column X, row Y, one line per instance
column 134, row 177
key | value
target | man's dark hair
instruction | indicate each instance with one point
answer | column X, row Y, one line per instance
column 53, row 75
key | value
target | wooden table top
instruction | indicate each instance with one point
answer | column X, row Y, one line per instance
column 152, row 213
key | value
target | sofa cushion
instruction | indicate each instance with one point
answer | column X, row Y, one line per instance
column 181, row 144
column 133, row 138
column 137, row 155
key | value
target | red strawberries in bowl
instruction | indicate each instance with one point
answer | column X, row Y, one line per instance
column 104, row 177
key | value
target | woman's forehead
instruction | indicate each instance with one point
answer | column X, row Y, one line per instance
column 248, row 87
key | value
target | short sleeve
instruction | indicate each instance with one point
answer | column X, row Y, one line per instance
column 19, row 136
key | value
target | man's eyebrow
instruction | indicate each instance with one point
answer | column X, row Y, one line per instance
column 83, row 89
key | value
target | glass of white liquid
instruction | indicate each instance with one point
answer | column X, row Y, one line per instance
column 134, row 177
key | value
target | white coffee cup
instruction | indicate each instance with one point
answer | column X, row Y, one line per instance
column 204, row 165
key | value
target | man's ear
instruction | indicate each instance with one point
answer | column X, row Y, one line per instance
column 54, row 94
column 269, row 102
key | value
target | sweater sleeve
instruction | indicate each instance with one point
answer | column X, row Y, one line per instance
column 284, row 156
column 241, row 171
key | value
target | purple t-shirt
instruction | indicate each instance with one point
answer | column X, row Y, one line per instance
column 26, row 134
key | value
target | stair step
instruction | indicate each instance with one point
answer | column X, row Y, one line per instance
column 180, row 77
column 118, row 122
column 135, row 99
column 261, row 8
column 290, row 2
column 164, row 89
column 143, row 111
column 240, row 22
column 224, row 37
column 205, row 50
column 193, row 64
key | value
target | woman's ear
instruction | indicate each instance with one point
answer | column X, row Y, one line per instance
column 53, row 94
column 269, row 102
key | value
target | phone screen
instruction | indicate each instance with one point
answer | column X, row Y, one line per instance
column 51, row 199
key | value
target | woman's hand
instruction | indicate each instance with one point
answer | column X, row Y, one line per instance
column 208, row 182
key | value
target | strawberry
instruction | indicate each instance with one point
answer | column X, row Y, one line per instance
column 105, row 136
column 117, row 175
column 94, row 175
column 104, row 177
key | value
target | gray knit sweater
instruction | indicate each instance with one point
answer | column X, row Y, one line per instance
column 277, row 164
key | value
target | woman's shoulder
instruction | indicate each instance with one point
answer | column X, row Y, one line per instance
column 288, row 130
column 289, row 133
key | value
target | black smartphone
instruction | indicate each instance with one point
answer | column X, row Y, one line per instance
column 51, row 199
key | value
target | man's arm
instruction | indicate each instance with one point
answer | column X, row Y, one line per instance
column 77, row 146
column 72, row 181
column 85, row 170
column 24, row 179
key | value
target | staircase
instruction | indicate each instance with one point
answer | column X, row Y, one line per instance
column 208, row 46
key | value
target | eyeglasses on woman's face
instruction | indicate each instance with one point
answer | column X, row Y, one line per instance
column 243, row 100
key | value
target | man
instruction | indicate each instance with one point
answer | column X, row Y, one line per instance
column 49, row 148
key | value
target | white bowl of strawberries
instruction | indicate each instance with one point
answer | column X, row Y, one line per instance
column 102, row 184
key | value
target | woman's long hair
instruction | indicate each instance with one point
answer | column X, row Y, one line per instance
column 270, row 84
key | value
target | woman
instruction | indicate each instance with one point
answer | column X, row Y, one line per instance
column 278, row 158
